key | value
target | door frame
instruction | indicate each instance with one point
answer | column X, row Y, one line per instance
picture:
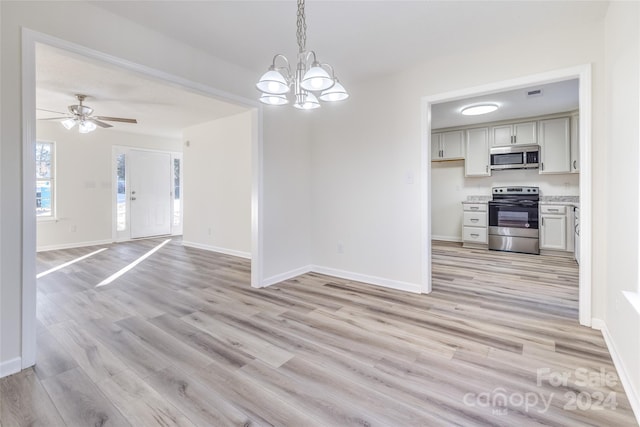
column 29, row 40
column 583, row 74
column 124, row 236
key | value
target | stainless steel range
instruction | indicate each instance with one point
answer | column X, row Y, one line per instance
column 513, row 219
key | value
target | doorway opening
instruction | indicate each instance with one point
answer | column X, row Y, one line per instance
column 583, row 76
column 251, row 108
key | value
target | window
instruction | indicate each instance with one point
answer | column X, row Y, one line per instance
column 45, row 186
column 121, row 193
column 177, row 191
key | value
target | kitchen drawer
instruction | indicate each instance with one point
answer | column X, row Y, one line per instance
column 474, row 219
column 553, row 209
column 475, row 207
column 474, row 234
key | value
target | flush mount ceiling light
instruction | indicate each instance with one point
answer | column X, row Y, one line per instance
column 311, row 82
column 476, row 110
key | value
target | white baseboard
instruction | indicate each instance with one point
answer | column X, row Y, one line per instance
column 211, row 248
column 10, row 367
column 285, row 276
column 447, row 238
column 623, row 373
column 73, row 245
column 379, row 281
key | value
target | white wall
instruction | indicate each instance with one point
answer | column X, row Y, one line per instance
column 450, row 188
column 623, row 136
column 83, row 177
column 365, row 154
column 217, row 185
column 285, row 145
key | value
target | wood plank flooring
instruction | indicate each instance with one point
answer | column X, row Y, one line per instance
column 183, row 340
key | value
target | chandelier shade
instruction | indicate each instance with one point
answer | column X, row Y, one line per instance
column 274, row 83
column 336, row 92
column 68, row 123
column 311, row 82
column 86, row 126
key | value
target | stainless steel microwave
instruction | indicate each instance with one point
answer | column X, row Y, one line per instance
column 515, row 157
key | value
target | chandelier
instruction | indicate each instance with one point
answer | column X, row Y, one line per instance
column 312, row 81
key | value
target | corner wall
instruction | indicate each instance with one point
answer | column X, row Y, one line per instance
column 622, row 79
column 217, row 185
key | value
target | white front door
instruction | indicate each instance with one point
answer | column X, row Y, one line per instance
column 150, row 177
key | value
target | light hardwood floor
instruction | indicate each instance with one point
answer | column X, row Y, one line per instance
column 182, row 340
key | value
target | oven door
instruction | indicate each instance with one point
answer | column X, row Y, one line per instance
column 518, row 219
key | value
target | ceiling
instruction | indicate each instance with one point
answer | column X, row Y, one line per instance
column 361, row 39
column 555, row 98
column 161, row 109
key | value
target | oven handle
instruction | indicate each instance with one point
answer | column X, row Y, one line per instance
column 514, row 205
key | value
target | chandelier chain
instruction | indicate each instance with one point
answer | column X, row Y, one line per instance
column 301, row 33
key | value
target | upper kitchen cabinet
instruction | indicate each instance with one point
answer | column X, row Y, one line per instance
column 575, row 144
column 447, row 145
column 555, row 146
column 477, row 159
column 515, row 134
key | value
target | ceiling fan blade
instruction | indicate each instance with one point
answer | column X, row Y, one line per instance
column 116, row 119
column 50, row 111
column 99, row 123
column 57, row 118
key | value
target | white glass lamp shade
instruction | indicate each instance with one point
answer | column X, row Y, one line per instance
column 273, row 99
column 68, row 123
column 337, row 92
column 310, row 102
column 316, row 79
column 86, row 127
column 273, row 83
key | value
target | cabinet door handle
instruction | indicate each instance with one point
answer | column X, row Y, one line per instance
column 474, row 219
column 578, row 230
column 474, row 208
column 515, row 139
column 552, row 210
column 574, row 164
column 475, row 235
column 486, row 168
column 542, row 166
column 542, row 221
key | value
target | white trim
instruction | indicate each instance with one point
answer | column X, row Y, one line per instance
column 286, row 275
column 28, row 326
column 623, row 373
column 74, row 245
column 217, row 249
column 10, row 367
column 456, row 239
column 257, row 179
column 372, row 280
column 583, row 73
column 29, row 40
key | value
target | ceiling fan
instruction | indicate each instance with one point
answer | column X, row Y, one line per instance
column 81, row 115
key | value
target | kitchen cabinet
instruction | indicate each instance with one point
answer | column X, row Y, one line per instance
column 575, row 144
column 476, row 162
column 515, row 134
column 556, row 228
column 474, row 224
column 447, row 145
column 555, row 145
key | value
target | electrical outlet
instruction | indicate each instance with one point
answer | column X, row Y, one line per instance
column 340, row 247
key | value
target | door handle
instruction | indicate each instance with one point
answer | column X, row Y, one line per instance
column 574, row 164
column 133, row 198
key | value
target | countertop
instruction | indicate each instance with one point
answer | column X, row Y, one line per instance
column 547, row 200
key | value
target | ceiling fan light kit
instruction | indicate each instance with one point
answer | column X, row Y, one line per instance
column 81, row 116
column 312, row 81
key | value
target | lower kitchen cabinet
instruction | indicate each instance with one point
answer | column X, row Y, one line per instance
column 556, row 232
column 474, row 224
